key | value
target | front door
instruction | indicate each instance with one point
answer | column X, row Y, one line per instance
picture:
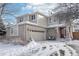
column 62, row 32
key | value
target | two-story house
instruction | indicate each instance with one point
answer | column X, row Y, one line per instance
column 32, row 26
column 40, row 27
column 75, row 25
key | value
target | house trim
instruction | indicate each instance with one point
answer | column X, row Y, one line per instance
column 30, row 23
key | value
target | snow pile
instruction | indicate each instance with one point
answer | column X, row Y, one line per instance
column 37, row 49
column 49, row 49
column 55, row 49
column 17, row 50
column 74, row 44
column 32, row 48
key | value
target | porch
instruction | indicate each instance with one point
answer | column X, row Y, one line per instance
column 59, row 32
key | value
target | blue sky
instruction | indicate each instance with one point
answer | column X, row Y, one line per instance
column 24, row 8
column 21, row 11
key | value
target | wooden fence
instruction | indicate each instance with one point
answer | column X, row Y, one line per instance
column 75, row 35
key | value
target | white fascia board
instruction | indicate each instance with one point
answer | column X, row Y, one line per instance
column 30, row 23
column 27, row 22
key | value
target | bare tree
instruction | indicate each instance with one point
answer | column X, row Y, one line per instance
column 5, row 10
column 68, row 12
column 2, row 27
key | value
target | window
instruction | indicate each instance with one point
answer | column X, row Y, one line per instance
column 54, row 20
column 76, row 30
column 33, row 17
column 21, row 19
column 50, row 20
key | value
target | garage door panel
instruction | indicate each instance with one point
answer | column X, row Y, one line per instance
column 37, row 36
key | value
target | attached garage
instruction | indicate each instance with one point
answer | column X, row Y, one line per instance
column 38, row 35
column 35, row 32
column 29, row 31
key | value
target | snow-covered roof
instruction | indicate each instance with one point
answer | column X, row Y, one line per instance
column 11, row 25
column 76, row 21
column 56, row 25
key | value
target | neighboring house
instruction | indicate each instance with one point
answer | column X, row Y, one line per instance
column 75, row 29
column 76, row 25
column 40, row 27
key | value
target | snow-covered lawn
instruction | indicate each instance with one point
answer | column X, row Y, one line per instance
column 44, row 48
column 74, row 44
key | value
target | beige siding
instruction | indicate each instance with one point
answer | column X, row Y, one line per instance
column 22, row 31
column 12, row 30
column 41, row 20
column 26, row 18
column 8, row 31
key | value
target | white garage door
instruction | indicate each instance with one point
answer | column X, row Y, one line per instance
column 38, row 36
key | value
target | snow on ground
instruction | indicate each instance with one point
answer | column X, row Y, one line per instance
column 45, row 48
column 74, row 44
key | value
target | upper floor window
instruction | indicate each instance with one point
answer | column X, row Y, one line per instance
column 50, row 20
column 21, row 19
column 33, row 17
